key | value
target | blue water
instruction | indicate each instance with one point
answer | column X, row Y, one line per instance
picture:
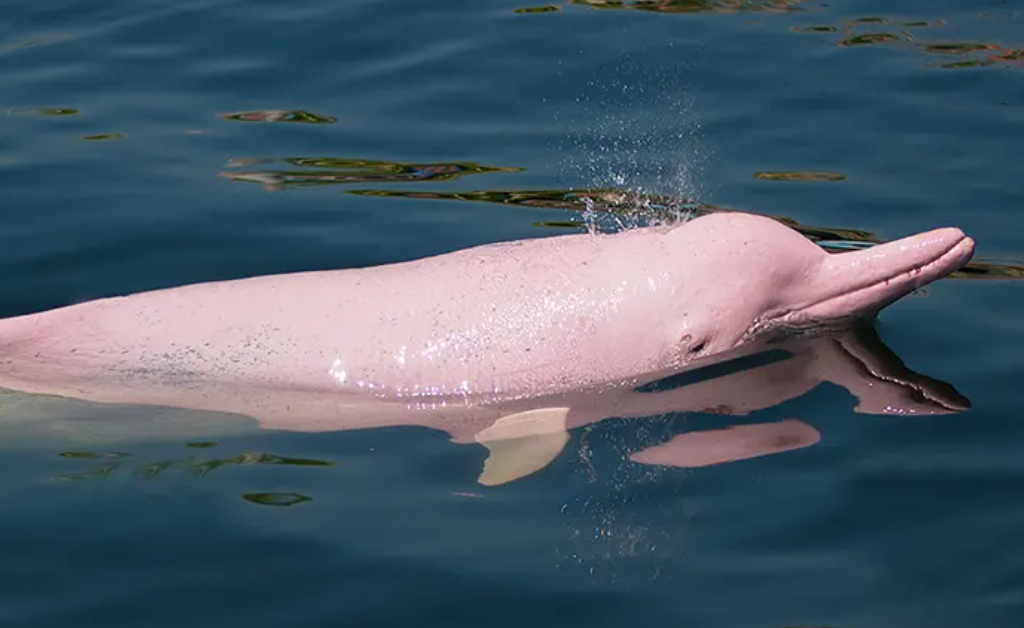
column 125, row 167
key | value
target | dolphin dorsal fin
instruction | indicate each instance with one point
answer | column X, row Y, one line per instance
column 521, row 444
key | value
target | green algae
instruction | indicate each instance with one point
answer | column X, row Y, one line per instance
column 800, row 176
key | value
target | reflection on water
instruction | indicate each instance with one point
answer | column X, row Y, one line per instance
column 192, row 464
column 989, row 270
column 37, row 41
column 814, row 29
column 544, row 9
column 613, row 202
column 637, row 207
column 315, row 171
column 103, row 137
column 276, row 499
column 601, row 532
column 46, row 111
column 696, row 6
column 624, row 444
column 279, row 115
column 800, row 176
column 523, row 436
column 864, row 32
column 654, row 208
column 92, row 455
column 997, row 55
column 869, row 38
column 853, row 32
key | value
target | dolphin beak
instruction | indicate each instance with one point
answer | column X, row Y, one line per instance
column 858, row 284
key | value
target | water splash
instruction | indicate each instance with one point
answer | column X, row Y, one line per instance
column 660, row 151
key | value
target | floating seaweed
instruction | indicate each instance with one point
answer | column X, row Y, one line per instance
column 45, row 111
column 104, row 137
column 276, row 499
column 814, row 29
column 973, row 54
column 957, row 48
column 199, row 467
column 800, row 176
column 850, row 27
column 92, row 455
column 332, row 171
column 997, row 55
column 550, row 8
column 95, row 473
column 851, row 31
column 870, row 38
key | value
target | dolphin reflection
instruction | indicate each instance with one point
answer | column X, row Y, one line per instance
column 523, row 437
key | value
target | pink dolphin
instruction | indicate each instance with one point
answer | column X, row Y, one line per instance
column 503, row 321
column 486, row 329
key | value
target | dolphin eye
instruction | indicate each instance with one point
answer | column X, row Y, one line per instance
column 694, row 348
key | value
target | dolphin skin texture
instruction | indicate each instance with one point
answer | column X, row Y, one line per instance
column 488, row 328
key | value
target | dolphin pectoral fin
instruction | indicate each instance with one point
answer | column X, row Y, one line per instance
column 710, row 447
column 510, row 460
column 521, row 444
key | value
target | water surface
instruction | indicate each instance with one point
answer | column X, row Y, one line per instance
column 156, row 143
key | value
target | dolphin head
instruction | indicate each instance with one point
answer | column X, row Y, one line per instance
column 757, row 277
